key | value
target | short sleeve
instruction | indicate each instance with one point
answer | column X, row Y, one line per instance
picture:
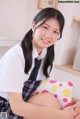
column 12, row 73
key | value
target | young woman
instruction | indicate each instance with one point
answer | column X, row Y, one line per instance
column 19, row 75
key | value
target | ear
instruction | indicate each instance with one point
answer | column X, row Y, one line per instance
column 33, row 25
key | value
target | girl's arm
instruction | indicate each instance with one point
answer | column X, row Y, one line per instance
column 32, row 111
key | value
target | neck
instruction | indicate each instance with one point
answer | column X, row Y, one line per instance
column 39, row 50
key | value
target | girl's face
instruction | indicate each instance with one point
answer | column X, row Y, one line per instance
column 45, row 35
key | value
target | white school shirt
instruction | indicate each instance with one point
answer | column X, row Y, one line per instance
column 12, row 75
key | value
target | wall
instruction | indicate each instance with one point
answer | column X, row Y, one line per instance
column 16, row 17
column 15, row 20
column 67, row 46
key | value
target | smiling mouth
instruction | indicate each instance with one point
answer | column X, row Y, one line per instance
column 45, row 41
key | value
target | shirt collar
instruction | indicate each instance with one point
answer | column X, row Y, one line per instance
column 36, row 55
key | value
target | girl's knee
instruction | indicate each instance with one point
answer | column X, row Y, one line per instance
column 45, row 99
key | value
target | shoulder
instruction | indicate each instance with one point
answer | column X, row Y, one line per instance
column 14, row 54
column 15, row 50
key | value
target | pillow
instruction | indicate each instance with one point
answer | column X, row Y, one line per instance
column 62, row 90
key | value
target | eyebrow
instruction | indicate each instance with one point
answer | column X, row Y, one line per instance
column 50, row 26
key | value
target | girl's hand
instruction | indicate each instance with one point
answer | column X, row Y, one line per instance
column 73, row 111
column 77, row 117
column 77, row 109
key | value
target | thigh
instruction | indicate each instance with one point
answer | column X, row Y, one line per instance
column 45, row 99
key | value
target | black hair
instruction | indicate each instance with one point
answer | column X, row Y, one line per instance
column 26, row 43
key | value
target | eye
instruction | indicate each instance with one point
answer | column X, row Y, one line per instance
column 45, row 27
column 56, row 32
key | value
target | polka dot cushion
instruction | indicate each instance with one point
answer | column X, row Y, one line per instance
column 62, row 91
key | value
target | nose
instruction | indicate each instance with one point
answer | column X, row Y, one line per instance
column 48, row 34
